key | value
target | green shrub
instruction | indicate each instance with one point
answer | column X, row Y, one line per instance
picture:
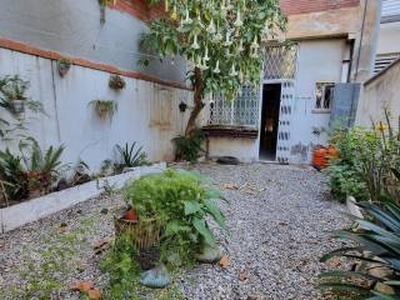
column 365, row 166
column 189, row 148
column 33, row 170
column 180, row 201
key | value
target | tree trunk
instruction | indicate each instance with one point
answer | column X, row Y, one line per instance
column 198, row 103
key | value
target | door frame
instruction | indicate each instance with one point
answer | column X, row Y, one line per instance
column 264, row 82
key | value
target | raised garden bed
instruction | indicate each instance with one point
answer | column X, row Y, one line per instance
column 20, row 214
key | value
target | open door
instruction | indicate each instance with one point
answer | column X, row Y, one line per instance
column 271, row 99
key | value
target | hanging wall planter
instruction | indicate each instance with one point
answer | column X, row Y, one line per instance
column 182, row 107
column 104, row 108
column 63, row 66
column 18, row 106
column 116, row 82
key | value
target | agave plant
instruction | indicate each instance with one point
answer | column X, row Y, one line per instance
column 377, row 275
column 129, row 156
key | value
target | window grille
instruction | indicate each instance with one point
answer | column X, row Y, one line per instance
column 280, row 62
column 242, row 111
column 324, row 94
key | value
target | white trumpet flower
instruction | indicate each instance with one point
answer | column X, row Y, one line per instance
column 218, row 37
column 217, row 70
column 206, row 57
column 228, row 41
column 238, row 22
column 187, row 20
column 211, row 28
column 241, row 48
column 195, row 44
column 233, row 71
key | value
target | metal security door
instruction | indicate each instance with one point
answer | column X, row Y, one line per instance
column 285, row 121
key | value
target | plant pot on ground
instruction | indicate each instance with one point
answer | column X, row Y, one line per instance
column 144, row 235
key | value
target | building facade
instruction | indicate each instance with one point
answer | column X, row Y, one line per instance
column 308, row 85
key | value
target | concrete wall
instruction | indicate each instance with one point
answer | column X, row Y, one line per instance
column 147, row 112
column 72, row 27
column 389, row 38
column 380, row 92
column 338, row 22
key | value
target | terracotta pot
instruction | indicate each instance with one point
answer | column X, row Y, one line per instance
column 319, row 159
column 131, row 215
column 332, row 152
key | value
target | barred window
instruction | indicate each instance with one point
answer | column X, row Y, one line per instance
column 324, row 93
column 242, row 111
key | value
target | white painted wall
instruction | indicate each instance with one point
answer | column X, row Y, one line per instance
column 147, row 113
column 319, row 60
column 244, row 149
column 389, row 38
column 73, row 28
column 380, row 93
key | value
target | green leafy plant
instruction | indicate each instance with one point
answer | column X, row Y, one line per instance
column 104, row 108
column 211, row 35
column 13, row 100
column 377, row 272
column 189, row 148
column 365, row 166
column 13, row 176
column 180, row 201
column 32, row 172
column 129, row 156
column 42, row 167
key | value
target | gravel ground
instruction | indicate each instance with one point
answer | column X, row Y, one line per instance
column 279, row 218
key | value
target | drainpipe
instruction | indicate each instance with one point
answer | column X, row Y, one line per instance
column 367, row 40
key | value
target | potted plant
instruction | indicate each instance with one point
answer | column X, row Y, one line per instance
column 13, row 96
column 172, row 209
column 63, row 65
column 104, row 108
column 116, row 82
column 182, row 107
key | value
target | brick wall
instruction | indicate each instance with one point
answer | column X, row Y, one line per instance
column 293, row 7
column 139, row 8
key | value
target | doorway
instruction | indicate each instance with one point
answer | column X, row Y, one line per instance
column 271, row 99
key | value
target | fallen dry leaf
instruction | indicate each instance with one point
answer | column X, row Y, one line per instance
column 94, row 294
column 230, row 186
column 225, row 261
column 102, row 245
column 243, row 275
column 82, row 286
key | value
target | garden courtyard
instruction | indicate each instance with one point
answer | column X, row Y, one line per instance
column 279, row 220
